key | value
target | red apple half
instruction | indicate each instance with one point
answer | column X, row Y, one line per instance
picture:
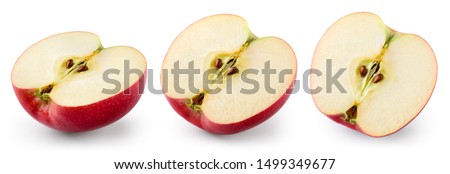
column 60, row 80
column 224, row 46
column 389, row 76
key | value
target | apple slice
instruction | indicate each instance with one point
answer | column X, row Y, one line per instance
column 389, row 76
column 223, row 48
column 59, row 81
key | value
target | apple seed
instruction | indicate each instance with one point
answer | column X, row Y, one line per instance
column 82, row 68
column 363, row 71
column 218, row 63
column 377, row 78
column 232, row 70
column 69, row 63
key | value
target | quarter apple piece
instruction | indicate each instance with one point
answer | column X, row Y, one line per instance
column 59, row 81
column 224, row 46
column 389, row 75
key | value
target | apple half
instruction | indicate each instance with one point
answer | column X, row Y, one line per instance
column 388, row 79
column 223, row 48
column 59, row 81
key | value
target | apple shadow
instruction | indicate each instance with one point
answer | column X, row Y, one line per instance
column 267, row 131
column 115, row 132
column 410, row 133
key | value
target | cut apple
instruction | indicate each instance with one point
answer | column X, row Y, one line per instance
column 224, row 46
column 60, row 79
column 388, row 79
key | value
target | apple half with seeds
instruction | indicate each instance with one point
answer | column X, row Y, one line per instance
column 233, row 59
column 60, row 81
column 388, row 79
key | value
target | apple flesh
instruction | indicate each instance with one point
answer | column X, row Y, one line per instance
column 223, row 45
column 389, row 75
column 59, row 81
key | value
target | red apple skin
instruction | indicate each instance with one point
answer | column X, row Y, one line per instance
column 82, row 118
column 200, row 120
column 339, row 118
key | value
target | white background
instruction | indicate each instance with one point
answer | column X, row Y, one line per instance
column 154, row 130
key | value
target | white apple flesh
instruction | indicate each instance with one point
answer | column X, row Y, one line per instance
column 225, row 45
column 59, row 81
column 389, row 75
